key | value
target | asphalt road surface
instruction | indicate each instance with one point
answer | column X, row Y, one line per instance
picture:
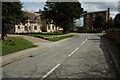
column 83, row 56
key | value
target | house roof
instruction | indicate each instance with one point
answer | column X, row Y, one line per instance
column 32, row 16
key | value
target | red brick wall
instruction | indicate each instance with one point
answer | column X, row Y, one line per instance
column 105, row 13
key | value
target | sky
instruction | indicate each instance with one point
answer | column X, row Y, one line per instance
column 88, row 6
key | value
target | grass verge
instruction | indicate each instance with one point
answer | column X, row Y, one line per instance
column 16, row 44
column 43, row 34
column 59, row 38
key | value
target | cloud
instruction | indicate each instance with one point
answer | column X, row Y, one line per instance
column 99, row 6
column 33, row 0
column 33, row 6
column 31, row 9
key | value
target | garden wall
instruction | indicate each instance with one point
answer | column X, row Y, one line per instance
column 114, row 35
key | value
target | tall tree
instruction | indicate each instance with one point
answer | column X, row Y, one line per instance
column 117, row 21
column 63, row 13
column 109, row 24
column 11, row 15
column 99, row 22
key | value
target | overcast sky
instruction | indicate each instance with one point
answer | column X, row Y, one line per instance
column 88, row 6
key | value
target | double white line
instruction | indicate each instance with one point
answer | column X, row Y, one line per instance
column 60, row 64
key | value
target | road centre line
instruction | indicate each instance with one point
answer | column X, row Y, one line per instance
column 83, row 42
column 60, row 64
column 51, row 71
column 73, row 51
column 77, row 48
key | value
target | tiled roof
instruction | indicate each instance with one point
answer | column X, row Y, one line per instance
column 32, row 16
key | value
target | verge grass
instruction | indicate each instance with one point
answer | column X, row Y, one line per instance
column 59, row 38
column 14, row 45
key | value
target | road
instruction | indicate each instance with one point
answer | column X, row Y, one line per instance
column 83, row 56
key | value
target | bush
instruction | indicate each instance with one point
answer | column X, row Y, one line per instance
column 109, row 25
column 117, row 21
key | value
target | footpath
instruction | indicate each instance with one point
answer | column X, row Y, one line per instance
column 114, row 51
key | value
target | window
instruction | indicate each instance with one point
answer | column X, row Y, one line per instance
column 41, row 27
column 18, row 27
column 88, row 27
column 48, row 27
column 29, row 28
column 101, row 14
column 88, row 16
column 11, row 27
column 58, row 27
column 53, row 27
column 25, row 27
column 94, row 15
column 35, row 27
column 8, row 27
column 87, row 21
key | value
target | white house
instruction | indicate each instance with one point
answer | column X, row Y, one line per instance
column 33, row 25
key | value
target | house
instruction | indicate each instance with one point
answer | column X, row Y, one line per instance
column 34, row 24
column 89, row 17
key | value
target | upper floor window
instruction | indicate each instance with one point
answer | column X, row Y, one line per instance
column 94, row 15
column 87, row 21
column 101, row 14
column 88, row 15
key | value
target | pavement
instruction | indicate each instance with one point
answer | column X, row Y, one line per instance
column 29, row 38
column 114, row 51
column 83, row 56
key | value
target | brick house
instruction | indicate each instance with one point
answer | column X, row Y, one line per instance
column 89, row 17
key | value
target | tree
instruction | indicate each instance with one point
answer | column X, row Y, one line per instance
column 63, row 13
column 11, row 15
column 110, row 24
column 99, row 22
column 117, row 21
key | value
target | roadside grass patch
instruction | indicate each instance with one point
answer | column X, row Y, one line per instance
column 59, row 38
column 14, row 45
column 45, row 34
column 49, row 36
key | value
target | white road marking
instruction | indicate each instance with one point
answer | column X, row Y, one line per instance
column 77, row 47
column 83, row 42
column 73, row 51
column 59, row 64
column 50, row 71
